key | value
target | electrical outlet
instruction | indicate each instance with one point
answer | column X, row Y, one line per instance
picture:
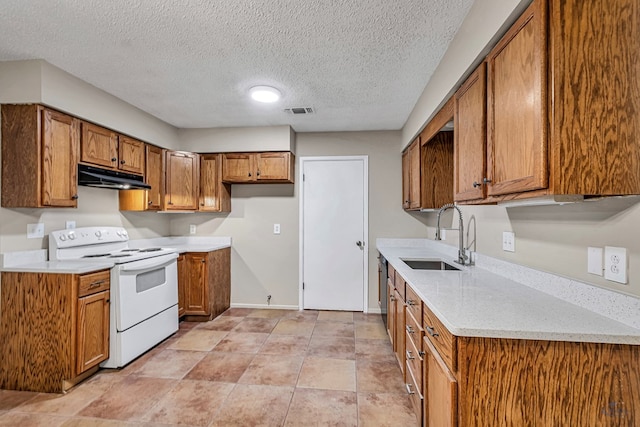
column 508, row 241
column 70, row 225
column 615, row 264
column 35, row 231
column 276, row 228
column 594, row 261
column 192, row 229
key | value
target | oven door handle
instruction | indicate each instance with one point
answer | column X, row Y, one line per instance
column 142, row 266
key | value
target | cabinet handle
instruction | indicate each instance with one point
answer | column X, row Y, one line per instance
column 476, row 184
column 122, row 162
column 258, row 174
column 202, row 261
column 249, row 173
column 408, row 387
column 170, row 203
column 201, row 204
column 432, row 331
column 411, row 302
column 410, row 329
column 96, row 284
column 107, row 301
column 409, row 356
column 392, row 298
column 149, row 202
column 421, row 353
column 74, row 197
column 486, row 180
column 113, row 159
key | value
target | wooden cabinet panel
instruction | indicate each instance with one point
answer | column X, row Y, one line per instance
column 415, row 193
column 276, row 167
column 152, row 199
column 99, row 146
column 93, row 282
column 183, row 280
column 182, row 186
column 196, row 292
column 441, row 391
column 39, row 157
column 238, row 167
column 470, row 122
column 131, row 154
column 400, row 329
column 93, row 330
column 214, row 195
column 205, row 280
column 391, row 313
column 517, row 106
column 406, row 179
column 437, row 171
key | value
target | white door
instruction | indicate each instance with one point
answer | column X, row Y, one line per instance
column 334, row 211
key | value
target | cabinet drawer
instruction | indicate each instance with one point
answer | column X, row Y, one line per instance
column 441, row 338
column 414, row 330
column 413, row 355
column 391, row 274
column 94, row 282
column 400, row 285
column 415, row 392
column 414, row 303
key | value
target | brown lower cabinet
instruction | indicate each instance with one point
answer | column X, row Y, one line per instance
column 54, row 329
column 476, row 381
column 204, row 284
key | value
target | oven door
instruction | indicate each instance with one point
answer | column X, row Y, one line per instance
column 142, row 289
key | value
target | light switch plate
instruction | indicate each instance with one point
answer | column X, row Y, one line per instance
column 70, row 225
column 192, row 229
column 594, row 261
column 615, row 264
column 276, row 228
column 508, row 241
column 35, row 231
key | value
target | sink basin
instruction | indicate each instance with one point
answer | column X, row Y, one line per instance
column 429, row 264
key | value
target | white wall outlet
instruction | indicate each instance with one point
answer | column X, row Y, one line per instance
column 594, row 260
column 192, row 229
column 508, row 241
column 70, row 225
column 276, row 228
column 615, row 264
column 35, row 231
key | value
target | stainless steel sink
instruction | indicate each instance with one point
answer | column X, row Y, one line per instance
column 429, row 264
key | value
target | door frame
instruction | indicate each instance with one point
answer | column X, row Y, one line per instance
column 365, row 266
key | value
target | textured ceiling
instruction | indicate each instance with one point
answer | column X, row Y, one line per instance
column 361, row 64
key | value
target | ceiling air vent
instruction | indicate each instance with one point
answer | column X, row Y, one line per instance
column 299, row 110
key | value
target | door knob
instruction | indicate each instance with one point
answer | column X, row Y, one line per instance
column 360, row 244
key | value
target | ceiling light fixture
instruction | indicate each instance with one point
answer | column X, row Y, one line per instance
column 266, row 94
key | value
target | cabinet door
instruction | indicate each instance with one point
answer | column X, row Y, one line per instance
column 155, row 177
column 131, row 154
column 277, row 167
column 470, row 148
column 517, row 106
column 214, row 195
column 406, row 180
column 238, row 167
column 415, row 200
column 60, row 135
column 197, row 289
column 391, row 313
column 92, row 331
column 183, row 281
column 440, row 390
column 182, row 180
column 99, row 146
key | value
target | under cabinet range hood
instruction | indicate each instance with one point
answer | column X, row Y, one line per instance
column 90, row 176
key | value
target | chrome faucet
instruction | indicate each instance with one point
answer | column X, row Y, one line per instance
column 462, row 256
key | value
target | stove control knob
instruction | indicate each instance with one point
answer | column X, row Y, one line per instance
column 124, row 233
column 98, row 233
column 63, row 237
column 72, row 236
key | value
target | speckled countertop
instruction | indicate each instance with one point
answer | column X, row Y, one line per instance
column 475, row 302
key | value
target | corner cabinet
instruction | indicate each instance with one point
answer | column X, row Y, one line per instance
column 204, row 284
column 267, row 167
column 54, row 329
column 215, row 196
column 182, row 185
column 152, row 199
column 39, row 157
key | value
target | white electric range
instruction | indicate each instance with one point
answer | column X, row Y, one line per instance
column 144, row 287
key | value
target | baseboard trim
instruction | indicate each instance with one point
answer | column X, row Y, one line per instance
column 265, row 306
column 374, row 310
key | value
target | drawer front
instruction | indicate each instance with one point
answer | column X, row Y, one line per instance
column 391, row 274
column 441, row 338
column 95, row 282
column 415, row 394
column 400, row 285
column 413, row 355
column 414, row 303
column 414, row 330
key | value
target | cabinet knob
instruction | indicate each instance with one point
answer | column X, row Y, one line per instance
column 202, row 261
column 149, row 202
column 258, row 174
column 122, row 162
column 74, row 197
column 113, row 159
column 201, row 204
column 170, row 203
column 249, row 173
column 486, row 180
column 476, row 184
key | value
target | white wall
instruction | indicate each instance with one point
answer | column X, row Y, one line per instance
column 263, row 263
column 226, row 140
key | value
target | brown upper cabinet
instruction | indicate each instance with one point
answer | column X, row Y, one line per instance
column 561, row 111
column 152, row 199
column 215, row 196
column 39, row 157
column 411, row 176
column 182, row 185
column 103, row 147
column 267, row 167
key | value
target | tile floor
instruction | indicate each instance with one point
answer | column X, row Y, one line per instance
column 245, row 368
